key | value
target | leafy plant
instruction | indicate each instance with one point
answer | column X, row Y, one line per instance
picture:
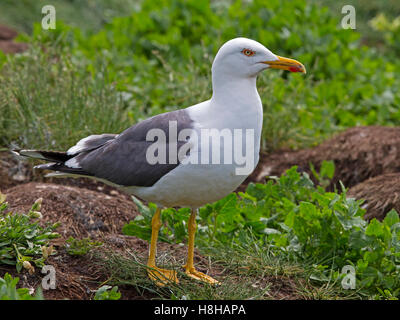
column 389, row 29
column 378, row 246
column 9, row 291
column 107, row 293
column 80, row 247
column 175, row 229
column 22, row 239
column 326, row 173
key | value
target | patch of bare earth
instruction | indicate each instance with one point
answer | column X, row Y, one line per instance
column 82, row 213
column 359, row 153
column 381, row 194
column 7, row 43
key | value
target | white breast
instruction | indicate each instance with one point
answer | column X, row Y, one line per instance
column 193, row 185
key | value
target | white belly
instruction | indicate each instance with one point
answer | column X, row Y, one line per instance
column 191, row 185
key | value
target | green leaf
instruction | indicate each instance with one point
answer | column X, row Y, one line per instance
column 308, row 210
column 104, row 293
column 133, row 229
column 391, row 218
column 374, row 228
column 327, row 169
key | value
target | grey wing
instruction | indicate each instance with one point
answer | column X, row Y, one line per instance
column 122, row 160
column 90, row 143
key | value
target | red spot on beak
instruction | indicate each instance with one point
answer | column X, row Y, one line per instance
column 294, row 69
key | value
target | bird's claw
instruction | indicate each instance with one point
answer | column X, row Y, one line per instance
column 162, row 277
column 200, row 276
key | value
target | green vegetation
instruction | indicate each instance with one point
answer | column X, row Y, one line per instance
column 249, row 278
column 158, row 59
column 80, row 247
column 85, row 14
column 366, row 10
column 22, row 239
column 49, row 103
column 107, row 293
column 291, row 216
column 390, row 29
column 9, row 291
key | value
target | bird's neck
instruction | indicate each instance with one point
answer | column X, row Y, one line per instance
column 236, row 104
column 234, row 93
column 237, row 101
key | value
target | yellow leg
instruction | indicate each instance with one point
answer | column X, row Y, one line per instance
column 161, row 277
column 189, row 266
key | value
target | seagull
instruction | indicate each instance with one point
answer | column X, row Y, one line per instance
column 168, row 159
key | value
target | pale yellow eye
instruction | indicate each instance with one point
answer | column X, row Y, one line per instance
column 248, row 52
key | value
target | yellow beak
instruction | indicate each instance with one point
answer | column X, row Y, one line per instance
column 286, row 64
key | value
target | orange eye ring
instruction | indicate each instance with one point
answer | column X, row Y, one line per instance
column 248, row 52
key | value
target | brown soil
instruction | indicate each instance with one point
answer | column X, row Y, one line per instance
column 81, row 212
column 7, row 45
column 381, row 194
column 85, row 213
column 7, row 33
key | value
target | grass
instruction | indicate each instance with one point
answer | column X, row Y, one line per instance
column 46, row 102
column 86, row 14
column 245, row 272
column 123, row 76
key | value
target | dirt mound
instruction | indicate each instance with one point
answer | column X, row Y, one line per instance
column 359, row 153
column 86, row 213
column 381, row 194
column 7, row 33
column 7, row 45
column 81, row 212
